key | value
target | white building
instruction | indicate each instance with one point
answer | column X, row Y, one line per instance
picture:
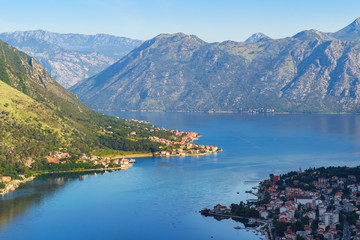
column 331, row 218
column 303, row 200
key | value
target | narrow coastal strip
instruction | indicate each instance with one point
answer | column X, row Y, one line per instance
column 318, row 203
column 177, row 144
column 12, row 185
column 264, row 227
column 139, row 155
column 15, row 184
column 145, row 155
column 83, row 170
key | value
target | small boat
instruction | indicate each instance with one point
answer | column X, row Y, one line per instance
column 132, row 161
column 237, row 227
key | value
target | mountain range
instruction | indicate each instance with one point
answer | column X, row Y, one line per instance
column 70, row 58
column 312, row 71
column 38, row 115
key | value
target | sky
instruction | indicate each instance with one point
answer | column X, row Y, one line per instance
column 211, row 20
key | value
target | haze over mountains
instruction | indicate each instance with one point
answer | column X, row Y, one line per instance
column 309, row 72
column 70, row 58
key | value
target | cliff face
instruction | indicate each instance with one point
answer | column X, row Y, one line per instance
column 310, row 72
column 70, row 58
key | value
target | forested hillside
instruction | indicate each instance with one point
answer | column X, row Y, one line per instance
column 37, row 115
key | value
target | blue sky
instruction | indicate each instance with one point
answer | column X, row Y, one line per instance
column 209, row 19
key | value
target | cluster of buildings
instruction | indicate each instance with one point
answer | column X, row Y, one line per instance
column 137, row 121
column 220, row 209
column 107, row 161
column 9, row 183
column 259, row 110
column 326, row 207
column 58, row 156
column 217, row 209
column 177, row 143
column 181, row 145
column 179, row 137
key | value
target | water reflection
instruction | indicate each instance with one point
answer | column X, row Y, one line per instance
column 33, row 193
column 162, row 196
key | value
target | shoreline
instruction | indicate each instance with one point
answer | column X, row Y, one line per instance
column 17, row 183
column 81, row 170
column 144, row 155
column 136, row 155
column 261, row 228
column 285, row 200
column 224, row 112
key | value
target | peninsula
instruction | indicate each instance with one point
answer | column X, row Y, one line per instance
column 45, row 128
column 168, row 142
column 320, row 203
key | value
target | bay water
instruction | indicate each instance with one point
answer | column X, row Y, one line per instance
column 160, row 198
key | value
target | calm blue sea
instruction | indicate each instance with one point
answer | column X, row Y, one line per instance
column 159, row 198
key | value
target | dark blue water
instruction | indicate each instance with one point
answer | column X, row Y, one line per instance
column 159, row 198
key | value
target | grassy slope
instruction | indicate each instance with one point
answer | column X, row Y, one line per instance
column 37, row 115
column 25, row 124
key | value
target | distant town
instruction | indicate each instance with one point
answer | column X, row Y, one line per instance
column 179, row 143
column 8, row 183
column 173, row 143
column 313, row 204
column 184, row 146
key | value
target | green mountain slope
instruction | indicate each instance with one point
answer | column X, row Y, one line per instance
column 310, row 72
column 37, row 115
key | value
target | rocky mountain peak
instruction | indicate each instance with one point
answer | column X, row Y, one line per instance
column 71, row 57
column 356, row 22
column 350, row 32
column 176, row 41
column 256, row 37
column 312, row 35
column 176, row 36
column 179, row 72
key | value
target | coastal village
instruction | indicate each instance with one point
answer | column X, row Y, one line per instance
column 8, row 183
column 180, row 144
column 184, row 146
column 177, row 143
column 313, row 204
column 60, row 157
